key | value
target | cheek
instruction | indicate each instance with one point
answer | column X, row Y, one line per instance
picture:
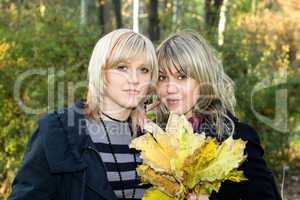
column 115, row 83
column 189, row 94
column 145, row 83
column 114, row 77
column 161, row 90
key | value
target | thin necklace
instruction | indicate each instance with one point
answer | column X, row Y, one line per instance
column 114, row 119
column 115, row 159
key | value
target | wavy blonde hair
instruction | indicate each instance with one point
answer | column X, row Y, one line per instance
column 191, row 54
column 117, row 46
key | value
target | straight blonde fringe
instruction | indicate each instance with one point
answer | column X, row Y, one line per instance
column 117, row 46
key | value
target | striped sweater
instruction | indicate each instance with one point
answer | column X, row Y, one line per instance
column 120, row 137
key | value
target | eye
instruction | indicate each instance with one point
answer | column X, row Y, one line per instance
column 121, row 67
column 162, row 77
column 182, row 77
column 145, row 70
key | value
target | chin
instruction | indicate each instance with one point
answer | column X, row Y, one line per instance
column 175, row 111
column 130, row 105
column 178, row 113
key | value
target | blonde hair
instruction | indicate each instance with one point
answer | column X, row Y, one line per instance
column 190, row 54
column 116, row 46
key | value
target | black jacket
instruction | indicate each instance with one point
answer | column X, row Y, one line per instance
column 61, row 163
column 260, row 184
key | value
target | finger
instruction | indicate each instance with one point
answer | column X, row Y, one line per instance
column 191, row 196
column 141, row 119
column 153, row 105
column 140, row 122
column 203, row 197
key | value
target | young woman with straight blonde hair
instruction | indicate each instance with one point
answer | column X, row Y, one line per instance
column 81, row 152
column 192, row 82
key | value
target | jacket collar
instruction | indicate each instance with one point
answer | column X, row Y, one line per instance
column 202, row 123
column 64, row 139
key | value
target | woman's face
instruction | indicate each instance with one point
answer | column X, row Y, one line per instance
column 177, row 92
column 127, row 83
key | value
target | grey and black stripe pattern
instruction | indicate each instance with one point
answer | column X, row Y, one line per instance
column 120, row 137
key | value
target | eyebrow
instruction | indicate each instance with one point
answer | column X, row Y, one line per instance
column 128, row 63
column 178, row 73
column 144, row 65
column 175, row 73
column 123, row 62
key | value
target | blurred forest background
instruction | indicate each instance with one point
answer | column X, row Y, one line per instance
column 45, row 46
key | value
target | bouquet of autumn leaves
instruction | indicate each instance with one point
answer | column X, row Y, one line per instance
column 178, row 161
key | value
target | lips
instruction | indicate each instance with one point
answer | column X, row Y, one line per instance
column 132, row 92
column 172, row 102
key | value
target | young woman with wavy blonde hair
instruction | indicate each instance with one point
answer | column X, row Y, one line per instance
column 192, row 82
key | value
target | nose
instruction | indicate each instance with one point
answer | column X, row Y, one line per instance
column 133, row 77
column 172, row 88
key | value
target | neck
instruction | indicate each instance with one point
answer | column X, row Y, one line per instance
column 189, row 114
column 115, row 111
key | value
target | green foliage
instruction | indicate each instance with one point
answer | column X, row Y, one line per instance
column 261, row 44
column 260, row 53
column 54, row 46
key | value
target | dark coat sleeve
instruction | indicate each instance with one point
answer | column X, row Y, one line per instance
column 33, row 179
column 260, row 184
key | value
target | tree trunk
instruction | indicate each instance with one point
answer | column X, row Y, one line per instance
column 102, row 15
column 153, row 28
column 222, row 23
column 136, row 15
column 117, row 10
column 19, row 9
column 212, row 10
column 253, row 6
column 175, row 13
column 165, row 3
column 42, row 9
column 83, row 12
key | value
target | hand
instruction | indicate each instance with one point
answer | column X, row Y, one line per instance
column 153, row 105
column 193, row 196
column 142, row 118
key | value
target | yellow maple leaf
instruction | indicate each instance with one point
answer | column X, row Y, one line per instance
column 167, row 141
column 207, row 188
column 229, row 156
column 155, row 194
column 164, row 182
column 152, row 153
column 198, row 161
column 178, row 160
column 167, row 151
column 236, row 176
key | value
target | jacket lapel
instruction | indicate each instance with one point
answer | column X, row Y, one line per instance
column 67, row 148
column 95, row 172
column 96, row 178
